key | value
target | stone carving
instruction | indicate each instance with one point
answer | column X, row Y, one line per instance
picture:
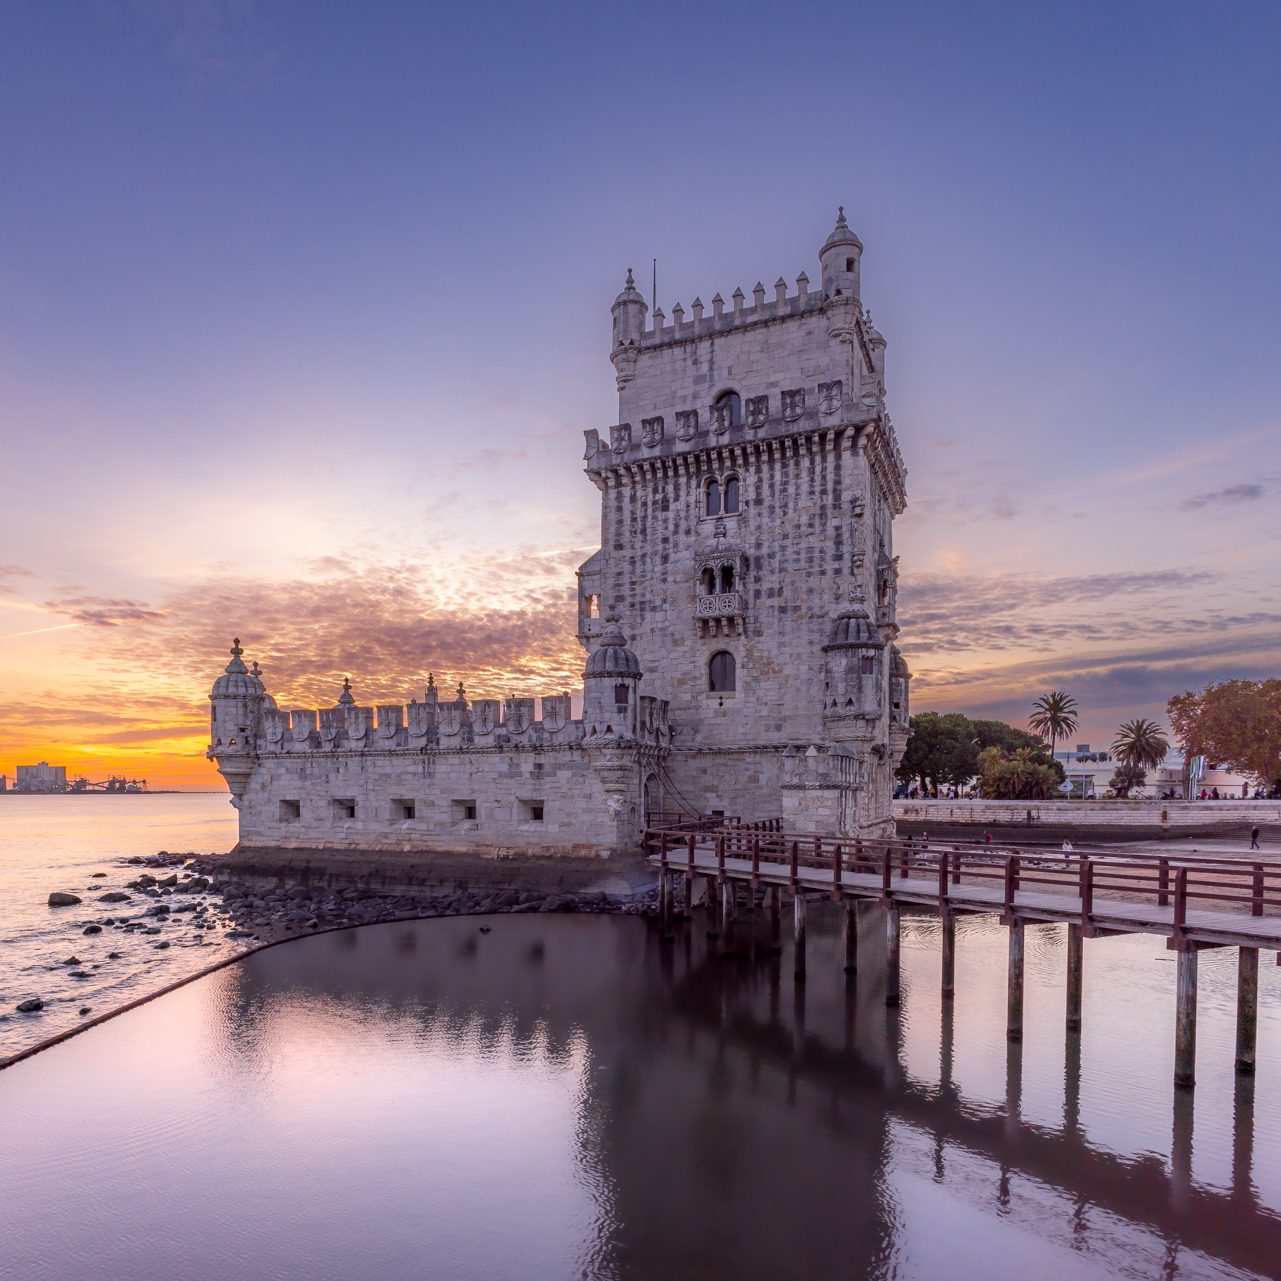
column 793, row 404
column 869, row 392
column 829, row 397
column 328, row 725
column 555, row 713
column 592, row 440
column 757, row 411
column 518, row 715
column 620, row 438
column 857, row 509
column 651, row 432
column 686, row 423
column 722, row 418
column 485, row 715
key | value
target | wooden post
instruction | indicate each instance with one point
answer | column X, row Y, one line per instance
column 836, row 872
column 665, row 895
column 851, row 936
column 727, row 911
column 711, row 901
column 688, row 911
column 949, row 954
column 1185, row 1019
column 1014, row 986
column 892, row 977
column 1247, row 1006
column 1075, row 976
column 775, row 919
column 798, row 930
column 1163, row 883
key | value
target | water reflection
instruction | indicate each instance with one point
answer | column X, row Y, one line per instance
column 583, row 1097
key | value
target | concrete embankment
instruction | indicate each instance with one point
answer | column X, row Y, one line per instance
column 1099, row 821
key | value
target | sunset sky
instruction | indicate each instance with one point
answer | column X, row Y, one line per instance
column 304, row 307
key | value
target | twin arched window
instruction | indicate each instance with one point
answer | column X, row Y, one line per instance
column 712, row 582
column 721, row 672
column 722, row 497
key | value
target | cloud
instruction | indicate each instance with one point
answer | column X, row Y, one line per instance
column 1231, row 496
column 104, row 611
column 8, row 572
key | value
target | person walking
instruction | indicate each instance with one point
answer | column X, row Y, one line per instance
column 1254, row 838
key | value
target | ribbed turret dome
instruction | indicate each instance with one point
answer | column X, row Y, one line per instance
column 630, row 293
column 898, row 664
column 841, row 235
column 854, row 627
column 237, row 681
column 612, row 657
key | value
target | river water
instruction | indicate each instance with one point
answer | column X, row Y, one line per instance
column 572, row 1097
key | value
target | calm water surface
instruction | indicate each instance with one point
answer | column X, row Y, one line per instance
column 57, row 843
column 565, row 1097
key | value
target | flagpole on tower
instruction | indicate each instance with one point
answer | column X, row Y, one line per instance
column 653, row 298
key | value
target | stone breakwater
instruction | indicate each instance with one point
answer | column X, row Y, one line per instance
column 166, row 917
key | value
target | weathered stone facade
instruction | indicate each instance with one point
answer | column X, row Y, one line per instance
column 746, row 583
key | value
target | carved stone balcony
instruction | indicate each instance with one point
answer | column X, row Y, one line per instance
column 720, row 613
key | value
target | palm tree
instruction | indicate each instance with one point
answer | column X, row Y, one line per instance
column 1141, row 744
column 1053, row 717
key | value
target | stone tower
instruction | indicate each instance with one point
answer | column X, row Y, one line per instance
column 748, row 493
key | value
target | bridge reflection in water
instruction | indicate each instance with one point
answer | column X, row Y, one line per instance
column 570, row 1096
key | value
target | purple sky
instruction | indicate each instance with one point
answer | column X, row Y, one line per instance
column 303, row 308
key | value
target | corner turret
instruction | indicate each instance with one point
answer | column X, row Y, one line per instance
column 236, row 704
column 610, row 683
column 629, row 312
column 840, row 256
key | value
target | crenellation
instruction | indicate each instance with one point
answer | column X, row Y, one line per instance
column 738, row 619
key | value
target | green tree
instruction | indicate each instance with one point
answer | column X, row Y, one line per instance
column 940, row 751
column 1054, row 716
column 1141, row 744
column 1127, row 776
column 1020, row 775
column 1233, row 723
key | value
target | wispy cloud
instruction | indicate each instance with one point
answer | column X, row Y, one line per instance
column 1230, row 496
column 104, row 611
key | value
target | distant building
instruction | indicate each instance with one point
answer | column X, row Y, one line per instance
column 1187, row 780
column 4, row 782
column 1088, row 772
column 41, row 778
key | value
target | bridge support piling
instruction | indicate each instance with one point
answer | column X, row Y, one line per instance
column 711, row 900
column 798, row 930
column 1075, row 976
column 1247, row 1007
column 851, row 936
column 1014, row 985
column 665, row 897
column 688, row 910
column 949, row 955
column 775, row 920
column 727, row 914
column 893, row 978
column 1185, row 1020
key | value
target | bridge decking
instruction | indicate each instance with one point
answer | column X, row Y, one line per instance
column 1193, row 901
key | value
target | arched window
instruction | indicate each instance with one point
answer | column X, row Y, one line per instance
column 727, row 578
column 721, row 671
column 732, row 403
column 731, row 495
column 709, row 581
column 713, row 497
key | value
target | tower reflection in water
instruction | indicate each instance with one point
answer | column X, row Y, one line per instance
column 534, row 1096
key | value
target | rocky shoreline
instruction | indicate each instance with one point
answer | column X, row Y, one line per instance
column 188, row 900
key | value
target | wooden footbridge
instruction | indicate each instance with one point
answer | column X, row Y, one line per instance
column 1194, row 902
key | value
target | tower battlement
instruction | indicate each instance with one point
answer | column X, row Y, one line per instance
column 739, row 617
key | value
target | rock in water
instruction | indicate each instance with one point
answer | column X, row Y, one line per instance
column 60, row 898
column 92, row 929
column 73, row 960
column 31, row 1005
column 85, row 1009
column 116, row 896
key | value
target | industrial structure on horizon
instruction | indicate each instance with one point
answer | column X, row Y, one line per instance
column 739, row 618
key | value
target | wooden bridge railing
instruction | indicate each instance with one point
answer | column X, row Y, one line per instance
column 1178, row 880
